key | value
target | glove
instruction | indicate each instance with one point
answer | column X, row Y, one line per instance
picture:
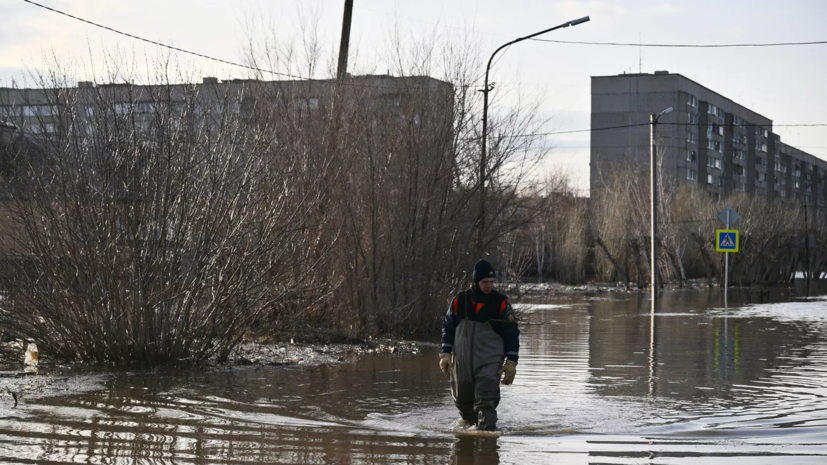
column 510, row 370
column 446, row 361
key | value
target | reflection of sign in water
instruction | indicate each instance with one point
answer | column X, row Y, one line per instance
column 727, row 240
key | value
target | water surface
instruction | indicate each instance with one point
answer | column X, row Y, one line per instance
column 600, row 380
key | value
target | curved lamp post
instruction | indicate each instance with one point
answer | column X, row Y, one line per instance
column 485, row 90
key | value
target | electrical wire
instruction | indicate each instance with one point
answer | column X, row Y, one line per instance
column 616, row 44
column 208, row 57
column 177, row 49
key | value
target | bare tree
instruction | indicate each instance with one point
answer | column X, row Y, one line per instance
column 158, row 223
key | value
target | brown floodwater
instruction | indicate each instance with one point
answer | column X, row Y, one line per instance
column 600, row 380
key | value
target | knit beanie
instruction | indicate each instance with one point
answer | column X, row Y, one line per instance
column 483, row 269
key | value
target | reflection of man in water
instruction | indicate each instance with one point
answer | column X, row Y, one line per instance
column 476, row 451
column 480, row 331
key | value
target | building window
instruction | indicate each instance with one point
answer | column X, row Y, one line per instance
column 9, row 112
column 806, row 199
column 739, row 170
column 120, row 108
column 783, row 193
column 692, row 101
column 797, row 184
column 691, row 138
column 692, row 118
column 797, row 171
column 740, row 187
column 690, row 156
column 760, row 146
column 761, row 131
column 760, row 177
column 143, row 107
column 740, row 155
column 761, row 191
column 691, row 175
column 714, row 180
column 39, row 110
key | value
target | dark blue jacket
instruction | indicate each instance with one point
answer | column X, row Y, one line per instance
column 496, row 311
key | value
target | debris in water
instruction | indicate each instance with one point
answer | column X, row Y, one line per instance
column 31, row 358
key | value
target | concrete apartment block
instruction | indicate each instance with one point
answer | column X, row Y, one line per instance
column 707, row 139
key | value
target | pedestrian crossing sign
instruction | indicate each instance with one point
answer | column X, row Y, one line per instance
column 727, row 240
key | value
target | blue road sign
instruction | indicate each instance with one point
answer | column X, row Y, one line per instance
column 727, row 240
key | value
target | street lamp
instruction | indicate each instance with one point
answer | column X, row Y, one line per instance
column 485, row 90
column 653, row 167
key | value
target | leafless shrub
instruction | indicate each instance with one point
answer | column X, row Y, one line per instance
column 158, row 223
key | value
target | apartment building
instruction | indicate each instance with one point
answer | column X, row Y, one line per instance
column 707, row 139
column 41, row 112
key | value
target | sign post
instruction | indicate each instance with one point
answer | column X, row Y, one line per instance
column 727, row 240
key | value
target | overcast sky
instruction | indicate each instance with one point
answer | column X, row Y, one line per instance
column 785, row 84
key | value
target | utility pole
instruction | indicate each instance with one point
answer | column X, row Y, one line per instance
column 341, row 74
column 344, row 44
column 653, row 184
column 653, row 229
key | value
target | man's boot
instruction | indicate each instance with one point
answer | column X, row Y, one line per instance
column 468, row 417
column 486, row 420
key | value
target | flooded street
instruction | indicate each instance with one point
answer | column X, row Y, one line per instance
column 600, row 380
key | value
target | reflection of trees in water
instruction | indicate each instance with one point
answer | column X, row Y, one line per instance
column 693, row 348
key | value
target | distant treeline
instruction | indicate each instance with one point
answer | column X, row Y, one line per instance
column 607, row 237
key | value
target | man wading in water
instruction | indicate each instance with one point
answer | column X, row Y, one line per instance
column 478, row 334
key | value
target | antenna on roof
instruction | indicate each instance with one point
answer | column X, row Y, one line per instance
column 639, row 54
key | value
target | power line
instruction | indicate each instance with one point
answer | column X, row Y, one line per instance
column 690, row 221
column 132, row 36
column 617, row 44
column 207, row 57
